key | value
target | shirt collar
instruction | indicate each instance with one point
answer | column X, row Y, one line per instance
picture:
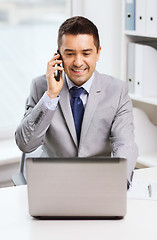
column 87, row 85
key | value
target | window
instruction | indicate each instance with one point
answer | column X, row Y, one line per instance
column 28, row 40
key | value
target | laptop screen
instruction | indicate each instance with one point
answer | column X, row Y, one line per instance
column 71, row 187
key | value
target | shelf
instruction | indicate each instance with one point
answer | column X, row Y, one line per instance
column 148, row 159
column 149, row 100
column 147, row 104
column 136, row 34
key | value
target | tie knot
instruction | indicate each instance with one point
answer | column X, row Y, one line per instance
column 76, row 92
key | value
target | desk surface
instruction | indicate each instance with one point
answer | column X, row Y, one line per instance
column 15, row 222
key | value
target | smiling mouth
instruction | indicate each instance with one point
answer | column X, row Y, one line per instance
column 79, row 71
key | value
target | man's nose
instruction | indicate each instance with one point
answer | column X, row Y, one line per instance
column 78, row 61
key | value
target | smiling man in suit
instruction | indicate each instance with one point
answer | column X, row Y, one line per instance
column 83, row 114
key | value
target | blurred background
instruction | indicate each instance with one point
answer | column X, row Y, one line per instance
column 28, row 40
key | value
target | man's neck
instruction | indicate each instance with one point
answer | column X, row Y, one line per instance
column 87, row 85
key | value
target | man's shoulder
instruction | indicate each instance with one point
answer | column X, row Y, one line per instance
column 40, row 80
column 108, row 79
column 39, row 85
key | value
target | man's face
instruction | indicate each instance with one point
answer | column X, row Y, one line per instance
column 79, row 56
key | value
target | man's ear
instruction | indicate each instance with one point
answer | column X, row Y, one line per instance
column 98, row 53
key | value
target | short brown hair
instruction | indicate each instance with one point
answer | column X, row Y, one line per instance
column 78, row 25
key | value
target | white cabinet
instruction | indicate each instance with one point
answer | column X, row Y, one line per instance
column 143, row 35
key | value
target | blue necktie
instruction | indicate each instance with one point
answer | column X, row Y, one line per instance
column 77, row 109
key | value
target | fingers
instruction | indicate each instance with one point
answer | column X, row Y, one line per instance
column 53, row 65
column 55, row 58
column 52, row 71
column 54, row 86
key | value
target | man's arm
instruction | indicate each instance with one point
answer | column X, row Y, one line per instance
column 122, row 133
column 38, row 116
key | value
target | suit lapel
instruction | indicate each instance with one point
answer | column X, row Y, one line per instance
column 67, row 113
column 93, row 100
column 91, row 106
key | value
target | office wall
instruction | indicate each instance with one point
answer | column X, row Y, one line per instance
column 107, row 15
column 28, row 39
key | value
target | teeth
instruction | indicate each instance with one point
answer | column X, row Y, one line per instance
column 78, row 70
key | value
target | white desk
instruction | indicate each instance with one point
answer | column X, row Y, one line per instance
column 15, row 222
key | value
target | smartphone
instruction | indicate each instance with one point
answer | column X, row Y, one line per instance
column 57, row 74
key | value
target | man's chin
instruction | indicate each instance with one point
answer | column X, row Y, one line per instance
column 79, row 80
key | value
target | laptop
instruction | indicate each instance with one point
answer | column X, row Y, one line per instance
column 77, row 187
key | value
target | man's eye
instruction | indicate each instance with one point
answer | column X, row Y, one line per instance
column 70, row 54
column 86, row 54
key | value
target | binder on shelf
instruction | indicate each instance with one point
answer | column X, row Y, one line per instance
column 142, row 70
column 141, row 16
column 151, row 22
column 131, row 68
column 130, row 14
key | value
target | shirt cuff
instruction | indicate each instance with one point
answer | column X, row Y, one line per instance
column 50, row 103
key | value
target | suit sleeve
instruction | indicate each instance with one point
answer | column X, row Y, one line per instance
column 122, row 132
column 30, row 133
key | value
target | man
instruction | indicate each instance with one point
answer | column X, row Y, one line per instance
column 52, row 117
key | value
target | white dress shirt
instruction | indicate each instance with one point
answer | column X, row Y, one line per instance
column 52, row 103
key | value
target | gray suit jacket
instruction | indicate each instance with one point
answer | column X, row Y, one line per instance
column 107, row 123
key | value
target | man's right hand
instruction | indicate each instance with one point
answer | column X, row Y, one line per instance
column 54, row 87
